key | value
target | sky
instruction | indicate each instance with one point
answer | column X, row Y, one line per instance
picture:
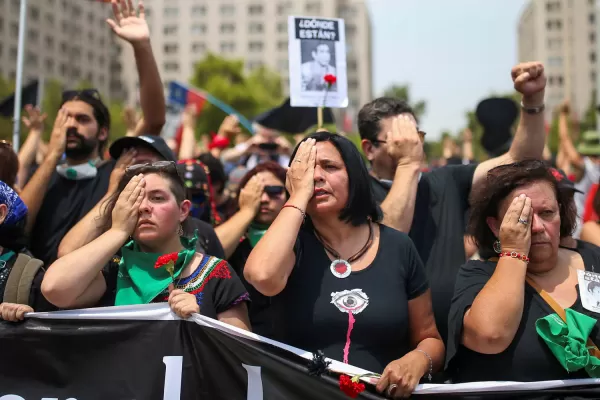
column 452, row 53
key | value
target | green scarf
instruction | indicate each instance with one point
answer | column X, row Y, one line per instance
column 568, row 341
column 256, row 232
column 138, row 282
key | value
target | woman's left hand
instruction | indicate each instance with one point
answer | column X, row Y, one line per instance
column 183, row 304
column 13, row 312
column 401, row 377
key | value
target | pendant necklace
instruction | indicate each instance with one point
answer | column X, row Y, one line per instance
column 339, row 267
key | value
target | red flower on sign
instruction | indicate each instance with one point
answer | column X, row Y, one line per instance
column 168, row 261
column 330, row 79
column 351, row 386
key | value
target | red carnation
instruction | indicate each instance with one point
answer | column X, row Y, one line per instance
column 351, row 386
column 330, row 79
column 168, row 261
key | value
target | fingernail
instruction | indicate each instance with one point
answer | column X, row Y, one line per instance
column 522, row 196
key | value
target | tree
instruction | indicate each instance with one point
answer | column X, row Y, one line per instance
column 249, row 93
column 402, row 92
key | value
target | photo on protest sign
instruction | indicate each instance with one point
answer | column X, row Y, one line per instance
column 317, row 48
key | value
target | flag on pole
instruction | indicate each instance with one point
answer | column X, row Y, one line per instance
column 29, row 95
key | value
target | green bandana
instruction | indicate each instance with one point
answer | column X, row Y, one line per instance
column 255, row 233
column 138, row 281
column 568, row 341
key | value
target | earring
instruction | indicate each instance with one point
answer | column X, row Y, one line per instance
column 180, row 230
column 497, row 247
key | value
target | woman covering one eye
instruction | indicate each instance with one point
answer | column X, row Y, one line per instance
column 348, row 286
column 149, row 208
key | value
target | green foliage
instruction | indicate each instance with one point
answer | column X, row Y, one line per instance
column 402, row 92
column 249, row 93
column 589, row 120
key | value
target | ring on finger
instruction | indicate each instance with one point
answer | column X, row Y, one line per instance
column 391, row 389
column 523, row 221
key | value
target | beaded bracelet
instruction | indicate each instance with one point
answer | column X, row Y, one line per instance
column 429, row 375
column 297, row 208
column 516, row 255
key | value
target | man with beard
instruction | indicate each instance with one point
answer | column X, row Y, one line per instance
column 430, row 206
column 68, row 189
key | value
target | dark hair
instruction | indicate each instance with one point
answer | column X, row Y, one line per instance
column 217, row 172
column 593, row 285
column 101, row 113
column 268, row 166
column 9, row 164
column 361, row 203
column 371, row 114
column 499, row 183
column 168, row 172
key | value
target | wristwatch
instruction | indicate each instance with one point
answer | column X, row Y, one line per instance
column 533, row 110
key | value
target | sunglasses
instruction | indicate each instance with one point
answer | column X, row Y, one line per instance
column 68, row 95
column 167, row 165
column 5, row 143
column 274, row 191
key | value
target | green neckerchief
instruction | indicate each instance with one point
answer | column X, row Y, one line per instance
column 138, row 282
column 256, row 232
column 568, row 341
column 5, row 258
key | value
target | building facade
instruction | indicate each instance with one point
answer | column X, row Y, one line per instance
column 184, row 31
column 562, row 35
column 66, row 40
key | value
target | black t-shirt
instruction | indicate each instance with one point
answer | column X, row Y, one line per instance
column 208, row 242
column 438, row 229
column 528, row 358
column 65, row 203
column 310, row 315
column 260, row 310
column 214, row 283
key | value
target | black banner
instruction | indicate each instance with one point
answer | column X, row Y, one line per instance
column 143, row 353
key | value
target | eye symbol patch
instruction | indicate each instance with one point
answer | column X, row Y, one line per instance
column 350, row 301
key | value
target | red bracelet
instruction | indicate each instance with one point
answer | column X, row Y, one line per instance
column 297, row 208
column 516, row 255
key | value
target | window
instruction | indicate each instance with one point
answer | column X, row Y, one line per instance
column 254, row 64
column 592, row 18
column 284, row 8
column 282, row 45
column 50, row 19
column 33, row 35
column 91, row 36
column 352, row 84
column 31, row 59
column 91, row 56
column 255, row 27
column 227, row 28
column 227, row 9
column 553, row 6
column 49, row 65
column 34, row 13
column 171, row 12
column 14, row 29
column 198, row 11
column 282, row 27
column 350, row 29
column 255, row 9
column 227, row 47
column 255, row 46
column 592, row 37
column 313, row 7
column 593, row 76
column 101, row 61
column 555, row 43
column 198, row 46
column 352, row 65
column 559, row 80
column 64, row 47
column 170, row 48
column 170, row 30
column 171, row 66
column 198, row 29
column 283, row 65
column 555, row 61
column 593, row 57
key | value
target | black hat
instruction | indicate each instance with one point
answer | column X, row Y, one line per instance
column 194, row 174
column 496, row 116
column 288, row 119
column 154, row 143
column 563, row 181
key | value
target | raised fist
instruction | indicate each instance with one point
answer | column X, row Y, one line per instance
column 529, row 80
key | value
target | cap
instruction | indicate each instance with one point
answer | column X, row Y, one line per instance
column 563, row 181
column 194, row 174
column 497, row 116
column 155, row 143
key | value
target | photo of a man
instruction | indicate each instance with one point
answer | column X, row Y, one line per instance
column 594, row 289
column 318, row 60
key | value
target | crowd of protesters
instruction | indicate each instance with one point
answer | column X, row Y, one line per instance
column 306, row 243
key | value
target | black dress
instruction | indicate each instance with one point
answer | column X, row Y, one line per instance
column 318, row 311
